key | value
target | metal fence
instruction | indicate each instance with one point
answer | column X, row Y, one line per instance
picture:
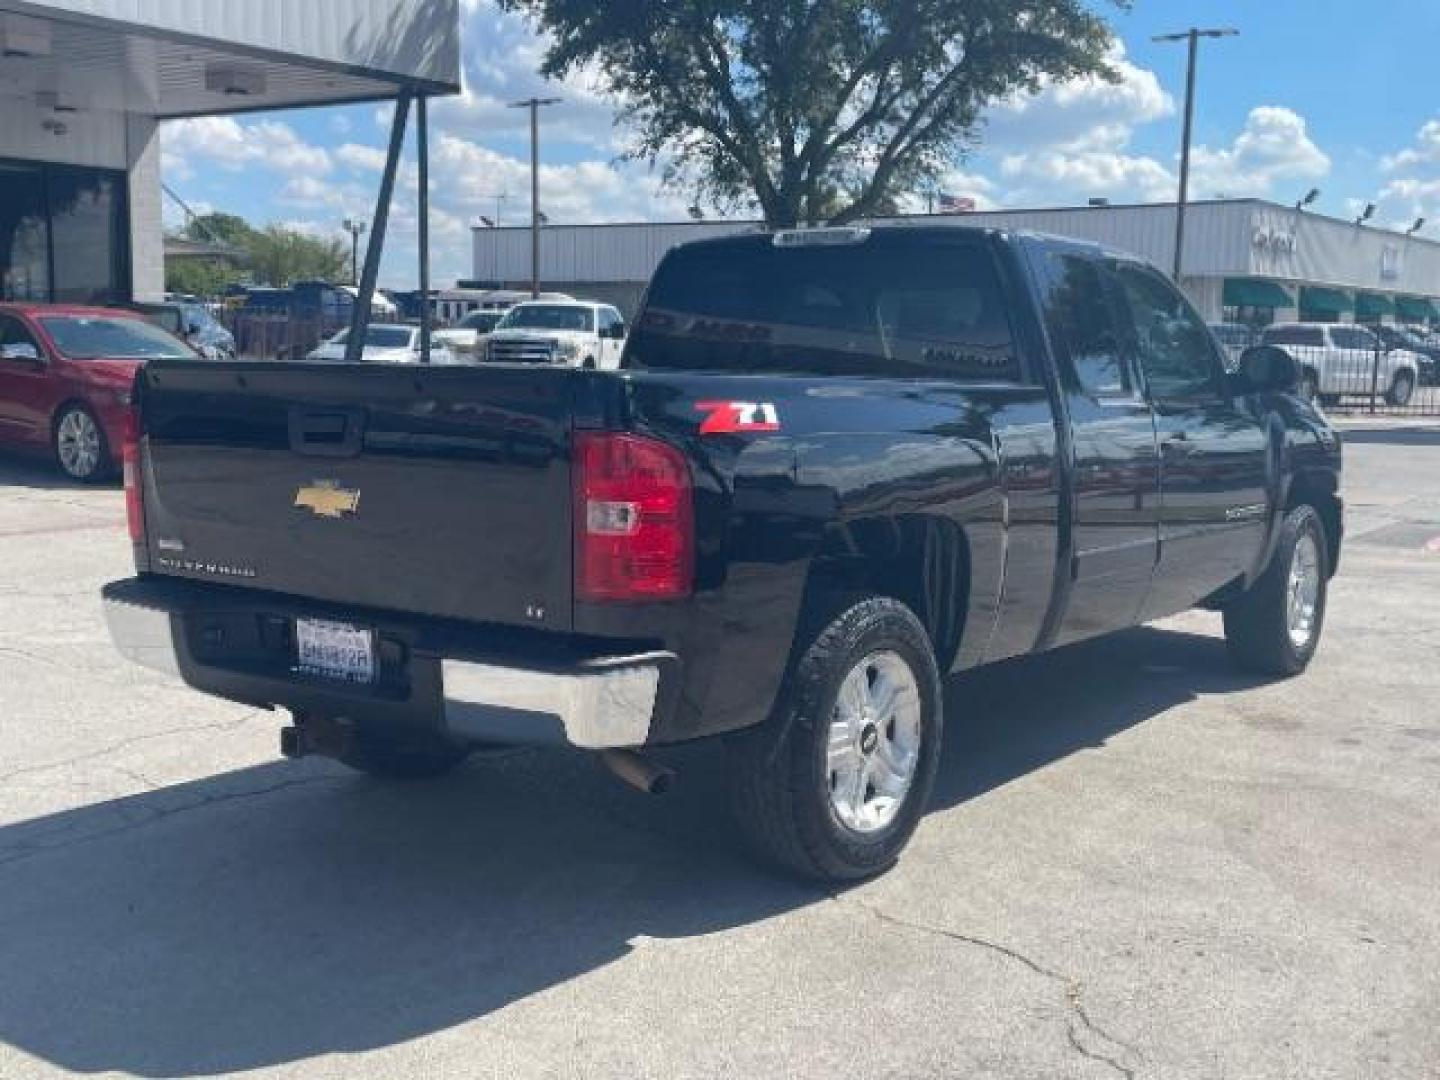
column 1370, row 379
column 277, row 335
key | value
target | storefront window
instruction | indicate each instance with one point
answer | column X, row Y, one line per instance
column 24, row 244
column 63, row 234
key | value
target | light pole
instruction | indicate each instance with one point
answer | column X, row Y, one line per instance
column 1192, row 37
column 356, row 228
column 534, row 105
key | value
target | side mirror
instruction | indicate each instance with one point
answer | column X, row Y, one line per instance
column 1266, row 369
column 22, row 351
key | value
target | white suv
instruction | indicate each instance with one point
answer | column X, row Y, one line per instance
column 572, row 333
column 1341, row 358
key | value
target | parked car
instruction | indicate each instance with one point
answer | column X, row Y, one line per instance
column 192, row 323
column 66, row 378
column 385, row 343
column 1234, row 338
column 1426, row 348
column 572, row 333
column 1341, row 358
column 467, row 339
column 838, row 466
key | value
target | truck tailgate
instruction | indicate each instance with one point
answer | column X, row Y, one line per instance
column 440, row 492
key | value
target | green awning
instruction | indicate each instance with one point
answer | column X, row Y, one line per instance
column 1415, row 309
column 1369, row 305
column 1324, row 301
column 1255, row 292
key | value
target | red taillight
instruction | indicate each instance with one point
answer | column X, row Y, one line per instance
column 634, row 519
column 130, row 463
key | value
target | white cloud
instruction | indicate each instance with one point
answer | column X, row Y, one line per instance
column 1274, row 145
column 234, row 146
column 1426, row 150
column 501, row 65
column 1082, row 115
column 1055, row 178
column 362, row 158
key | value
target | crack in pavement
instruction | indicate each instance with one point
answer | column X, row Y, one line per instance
column 125, row 744
column 1079, row 1021
column 21, row 852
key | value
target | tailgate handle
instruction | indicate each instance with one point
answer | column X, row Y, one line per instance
column 326, row 432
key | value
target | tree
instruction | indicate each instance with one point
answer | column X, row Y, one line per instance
column 274, row 255
column 219, row 228
column 279, row 256
column 814, row 110
column 198, row 277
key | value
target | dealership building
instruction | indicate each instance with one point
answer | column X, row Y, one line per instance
column 84, row 84
column 1244, row 259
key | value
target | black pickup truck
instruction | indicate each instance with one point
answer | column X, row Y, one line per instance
column 837, row 466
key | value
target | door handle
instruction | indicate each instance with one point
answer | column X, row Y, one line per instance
column 1178, row 443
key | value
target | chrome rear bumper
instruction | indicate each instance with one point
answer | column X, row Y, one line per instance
column 596, row 703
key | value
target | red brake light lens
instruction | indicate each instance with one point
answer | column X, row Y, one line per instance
column 130, row 463
column 634, row 519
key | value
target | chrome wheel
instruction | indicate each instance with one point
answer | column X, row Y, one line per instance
column 1303, row 593
column 874, row 745
column 77, row 444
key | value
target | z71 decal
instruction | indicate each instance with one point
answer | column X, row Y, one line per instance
column 728, row 417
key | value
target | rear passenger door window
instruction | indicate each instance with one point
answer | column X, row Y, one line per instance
column 1082, row 320
column 1175, row 350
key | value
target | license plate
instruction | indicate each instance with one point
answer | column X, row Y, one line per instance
column 335, row 650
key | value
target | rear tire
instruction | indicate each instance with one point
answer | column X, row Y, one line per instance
column 407, row 757
column 1274, row 628
column 833, row 785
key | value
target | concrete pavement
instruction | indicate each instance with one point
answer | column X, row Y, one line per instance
column 1140, row 863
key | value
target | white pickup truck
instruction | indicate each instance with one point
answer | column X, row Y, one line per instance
column 569, row 333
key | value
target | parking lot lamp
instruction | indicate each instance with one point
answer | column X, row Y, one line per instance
column 1192, row 36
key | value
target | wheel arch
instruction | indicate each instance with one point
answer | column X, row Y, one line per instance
column 922, row 560
column 1321, row 490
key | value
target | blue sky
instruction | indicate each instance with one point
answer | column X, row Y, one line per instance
column 1340, row 96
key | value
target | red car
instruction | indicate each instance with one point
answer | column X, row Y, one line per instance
column 66, row 375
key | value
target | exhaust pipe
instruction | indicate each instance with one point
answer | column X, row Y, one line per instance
column 640, row 772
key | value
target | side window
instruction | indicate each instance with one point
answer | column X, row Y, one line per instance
column 1081, row 318
column 1175, row 351
column 14, row 332
column 1349, row 337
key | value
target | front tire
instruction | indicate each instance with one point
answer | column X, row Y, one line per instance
column 1275, row 627
column 79, row 446
column 833, row 785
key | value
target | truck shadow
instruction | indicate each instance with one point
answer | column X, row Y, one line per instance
column 277, row 913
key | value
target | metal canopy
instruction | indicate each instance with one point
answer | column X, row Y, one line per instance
column 73, row 64
column 1255, row 292
column 1325, row 301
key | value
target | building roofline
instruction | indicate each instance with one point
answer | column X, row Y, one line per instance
column 982, row 214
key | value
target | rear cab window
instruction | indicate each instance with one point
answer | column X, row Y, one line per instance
column 894, row 304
